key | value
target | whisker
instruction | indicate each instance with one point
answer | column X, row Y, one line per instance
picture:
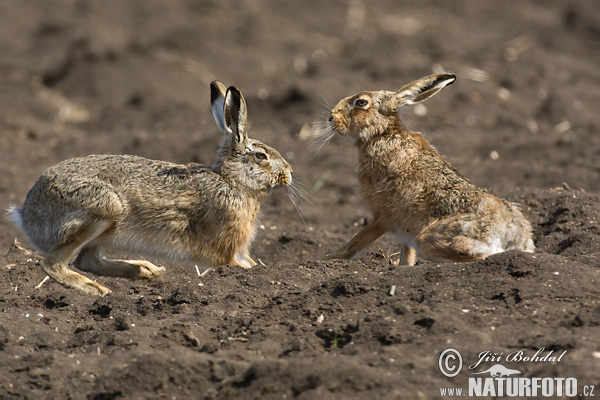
column 320, row 132
column 293, row 195
column 295, row 202
column 323, row 136
column 301, row 194
column 329, row 107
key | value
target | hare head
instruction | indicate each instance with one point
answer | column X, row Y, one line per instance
column 253, row 164
column 369, row 114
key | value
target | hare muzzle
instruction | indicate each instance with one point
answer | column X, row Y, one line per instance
column 337, row 123
column 284, row 178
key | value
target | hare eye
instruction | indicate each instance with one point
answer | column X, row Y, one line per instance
column 361, row 102
column 260, row 156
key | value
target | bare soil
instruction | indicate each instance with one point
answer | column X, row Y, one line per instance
column 126, row 77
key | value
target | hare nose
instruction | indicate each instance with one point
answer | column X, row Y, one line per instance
column 285, row 178
column 330, row 117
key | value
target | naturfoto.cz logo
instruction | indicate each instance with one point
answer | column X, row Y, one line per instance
column 499, row 380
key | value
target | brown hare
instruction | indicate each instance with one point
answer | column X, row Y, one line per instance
column 414, row 192
column 126, row 203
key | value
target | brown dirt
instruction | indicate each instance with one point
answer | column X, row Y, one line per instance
column 132, row 78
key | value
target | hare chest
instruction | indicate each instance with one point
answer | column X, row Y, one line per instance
column 390, row 189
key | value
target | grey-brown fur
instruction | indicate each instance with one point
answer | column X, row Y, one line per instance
column 187, row 212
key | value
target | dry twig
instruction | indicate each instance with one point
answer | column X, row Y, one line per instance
column 39, row 285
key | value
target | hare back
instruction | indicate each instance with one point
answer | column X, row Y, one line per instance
column 157, row 207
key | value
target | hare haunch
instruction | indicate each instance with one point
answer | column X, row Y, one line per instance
column 127, row 203
column 414, row 192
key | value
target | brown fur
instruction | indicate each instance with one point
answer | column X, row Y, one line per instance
column 413, row 191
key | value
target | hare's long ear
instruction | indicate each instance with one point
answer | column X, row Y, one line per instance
column 416, row 91
column 236, row 117
column 217, row 103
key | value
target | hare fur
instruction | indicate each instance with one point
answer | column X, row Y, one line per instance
column 157, row 208
column 414, row 192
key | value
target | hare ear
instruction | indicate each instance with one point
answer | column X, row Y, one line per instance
column 217, row 103
column 417, row 91
column 236, row 116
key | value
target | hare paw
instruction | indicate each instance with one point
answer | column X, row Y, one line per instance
column 71, row 279
column 244, row 263
column 94, row 288
column 147, row 270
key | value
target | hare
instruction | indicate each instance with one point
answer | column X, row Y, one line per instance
column 414, row 192
column 127, row 203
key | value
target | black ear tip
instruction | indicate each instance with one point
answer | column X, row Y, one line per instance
column 215, row 90
column 234, row 97
column 444, row 79
column 234, row 91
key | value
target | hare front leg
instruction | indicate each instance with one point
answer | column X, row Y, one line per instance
column 90, row 260
column 364, row 238
column 408, row 256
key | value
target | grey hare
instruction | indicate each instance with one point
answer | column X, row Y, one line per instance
column 157, row 208
column 414, row 192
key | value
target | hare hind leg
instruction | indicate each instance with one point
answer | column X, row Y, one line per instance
column 90, row 260
column 55, row 264
column 445, row 240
